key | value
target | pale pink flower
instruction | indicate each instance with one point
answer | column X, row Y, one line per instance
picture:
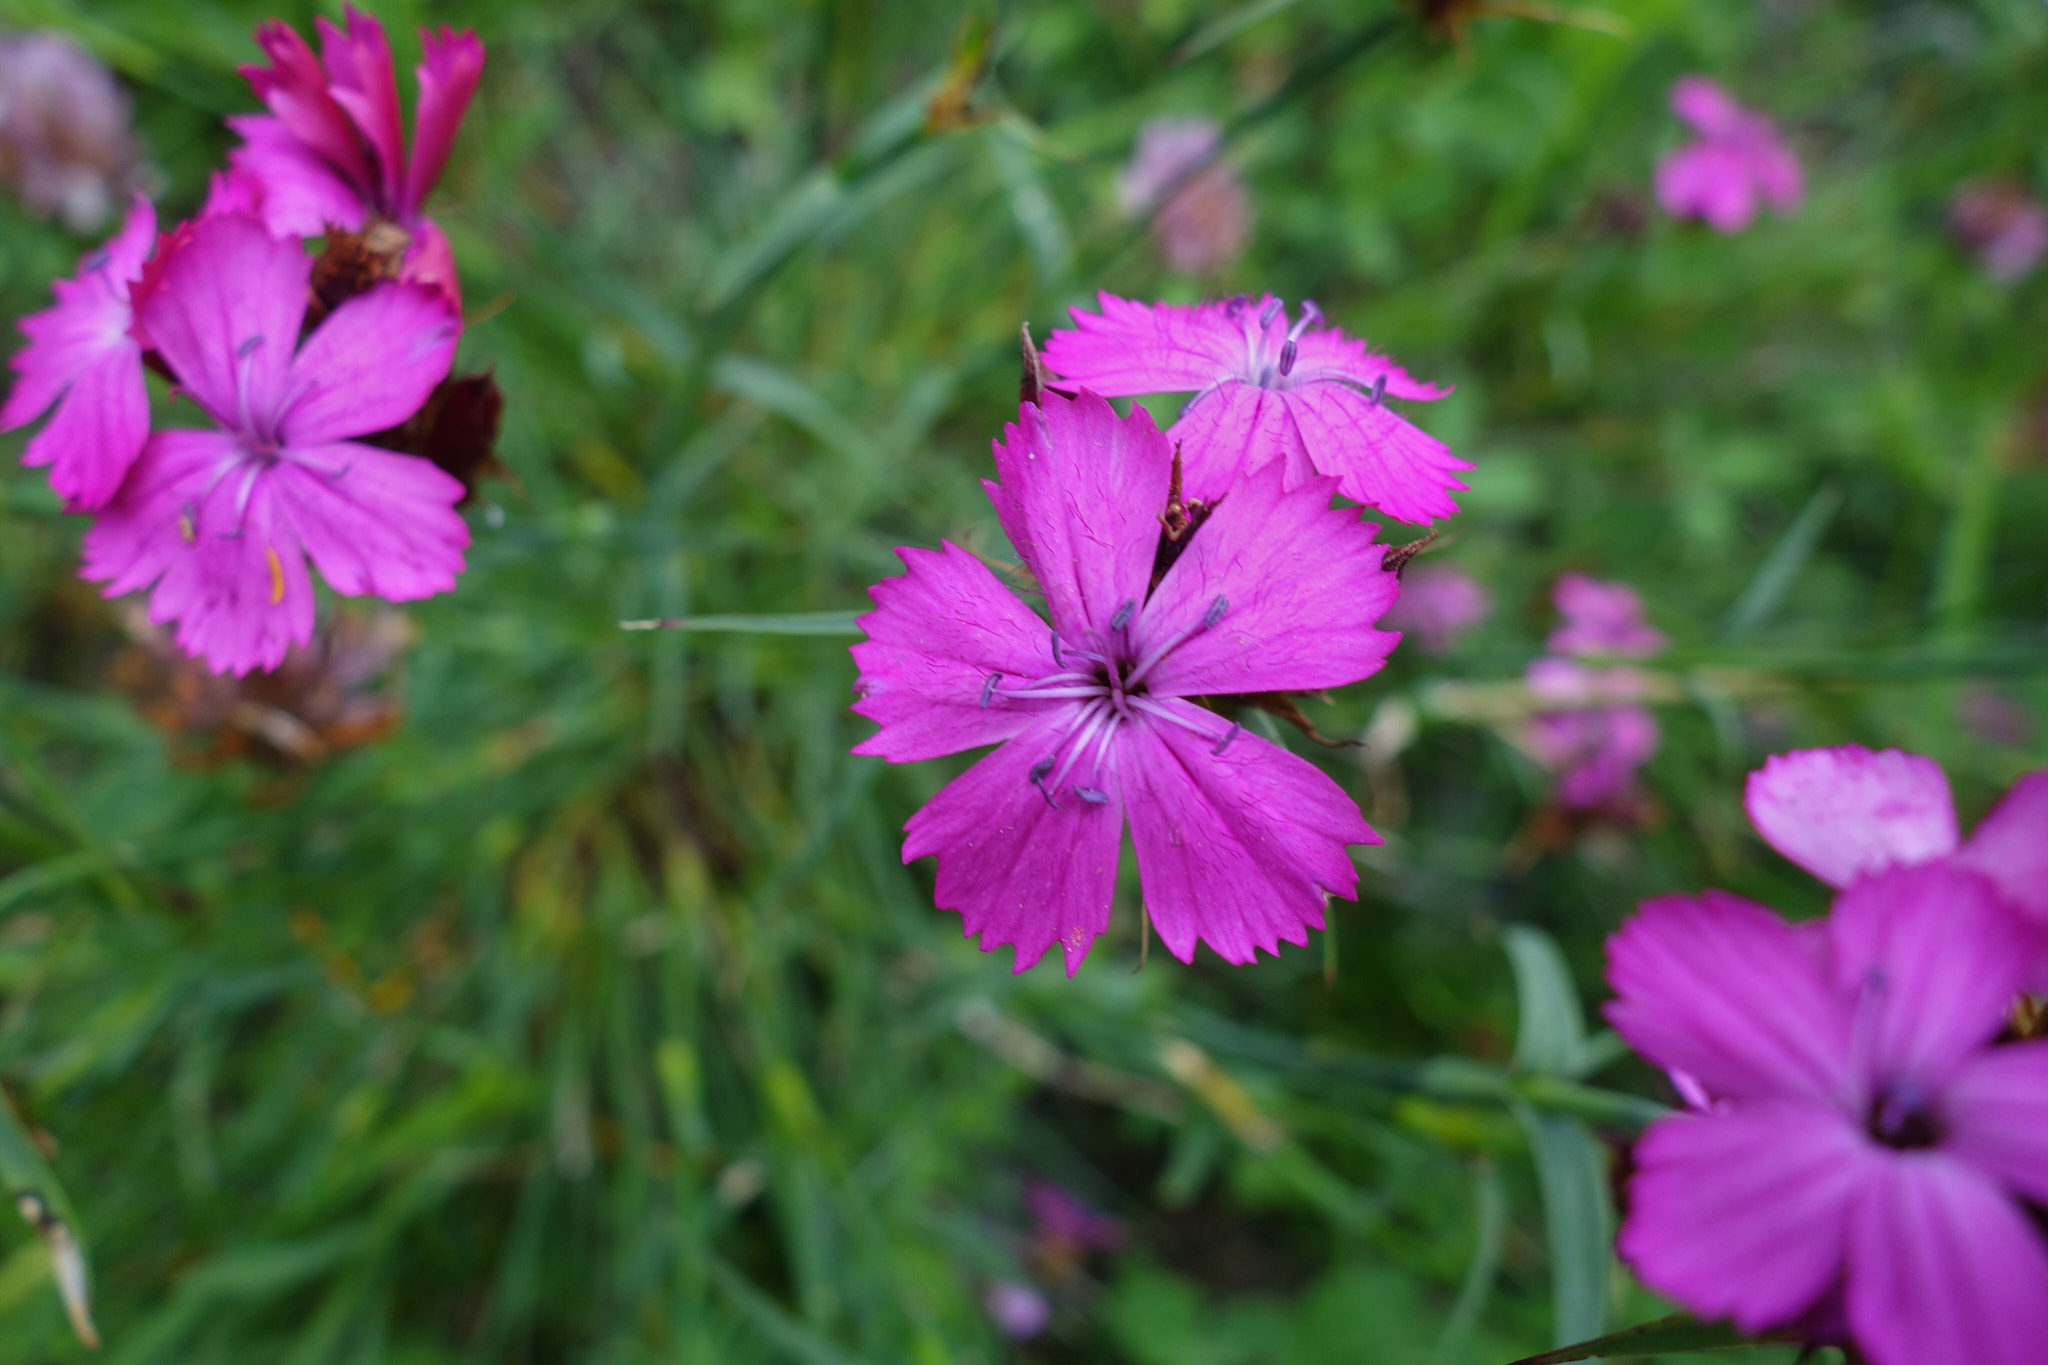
column 1438, row 604
column 83, row 358
column 1600, row 619
column 332, row 150
column 1738, row 161
column 1595, row 734
column 222, row 520
column 1865, row 1154
column 1239, row 842
column 1018, row 1310
column 1201, row 213
column 65, row 142
column 1998, row 223
column 1300, row 394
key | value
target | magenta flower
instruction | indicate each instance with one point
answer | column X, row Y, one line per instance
column 1738, row 161
column 1239, row 842
column 1866, row 1153
column 1300, row 393
column 222, row 520
column 332, row 150
column 1595, row 752
column 83, row 357
column 1438, row 604
column 1601, row 618
column 1847, row 813
column 1998, row 223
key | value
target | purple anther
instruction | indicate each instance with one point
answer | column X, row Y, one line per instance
column 1123, row 614
column 1379, row 390
column 249, row 345
column 1286, row 357
column 1234, row 306
column 1215, row 612
column 97, row 261
column 1230, row 734
column 1039, row 771
column 988, row 689
column 1058, row 662
column 1092, row 796
column 1272, row 310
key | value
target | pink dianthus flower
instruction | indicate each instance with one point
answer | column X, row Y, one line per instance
column 1738, row 161
column 1239, row 842
column 332, row 149
column 1201, row 213
column 1867, row 1154
column 1601, row 618
column 83, row 357
column 1438, row 604
column 1594, row 733
column 1301, row 394
column 222, row 520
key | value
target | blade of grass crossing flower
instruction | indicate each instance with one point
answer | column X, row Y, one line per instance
column 1551, row 1034
column 1578, row 1219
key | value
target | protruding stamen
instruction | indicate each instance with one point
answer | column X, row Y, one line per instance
column 276, row 576
column 1204, row 392
column 188, row 530
column 1154, row 655
column 1092, row 796
column 1057, row 660
column 1123, row 614
column 1038, row 775
column 97, row 261
column 1224, row 743
column 1310, row 316
column 1286, row 365
column 1271, row 311
column 988, row 689
column 1379, row 390
column 1215, row 612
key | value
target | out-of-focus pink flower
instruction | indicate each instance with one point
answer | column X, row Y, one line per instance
column 1239, row 842
column 2001, row 225
column 1019, row 1311
column 1595, row 752
column 1845, row 814
column 1061, row 1217
column 1601, row 619
column 1302, row 395
column 1438, row 604
column 1201, row 212
column 221, row 521
column 1991, row 715
column 332, row 149
column 1864, row 1149
column 1738, row 161
column 65, row 143
column 83, row 358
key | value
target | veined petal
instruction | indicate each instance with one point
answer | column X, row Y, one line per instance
column 1847, row 812
column 1943, row 1267
column 371, row 364
column 1021, row 872
column 225, row 566
column 1302, row 584
column 1231, row 432
column 1935, row 961
column 1723, row 989
column 1080, row 496
column 2010, row 846
column 374, row 521
column 301, row 192
column 295, row 88
column 1240, row 848
column 364, row 82
column 88, row 322
column 97, row 432
column 1328, row 348
column 1744, row 1214
column 1132, row 348
column 1994, row 1115
column 448, row 74
column 936, row 637
column 1380, row 459
column 226, row 316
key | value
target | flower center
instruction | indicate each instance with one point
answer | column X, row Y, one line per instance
column 1903, row 1115
column 1267, row 366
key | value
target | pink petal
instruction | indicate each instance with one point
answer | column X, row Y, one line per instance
column 1847, row 812
column 301, row 192
column 374, row 522
column 231, row 286
column 371, row 364
column 935, row 638
column 97, row 432
column 1327, row 348
column 1934, row 961
column 1133, row 348
column 1601, row 618
column 2010, row 846
column 1381, row 459
column 1706, row 106
column 1744, row 1214
column 295, row 88
column 448, row 75
column 234, row 190
column 1707, row 180
column 364, row 82
column 1240, row 849
column 1943, row 1267
column 429, row 260
column 1607, row 746
column 1720, row 987
column 231, row 576
column 1994, row 1114
column 1302, row 584
column 1020, row 872
column 1080, row 496
column 1778, row 175
column 1232, row 431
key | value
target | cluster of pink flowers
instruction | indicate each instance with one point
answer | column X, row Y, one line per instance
column 1864, row 1156
column 300, row 369
column 1738, row 163
column 1188, row 576
column 1594, row 732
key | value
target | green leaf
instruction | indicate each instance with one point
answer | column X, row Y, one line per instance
column 785, row 623
column 1680, row 1334
column 1552, row 1035
column 1578, row 1219
column 1775, row 575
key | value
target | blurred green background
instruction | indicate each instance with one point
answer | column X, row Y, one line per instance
column 589, row 1015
